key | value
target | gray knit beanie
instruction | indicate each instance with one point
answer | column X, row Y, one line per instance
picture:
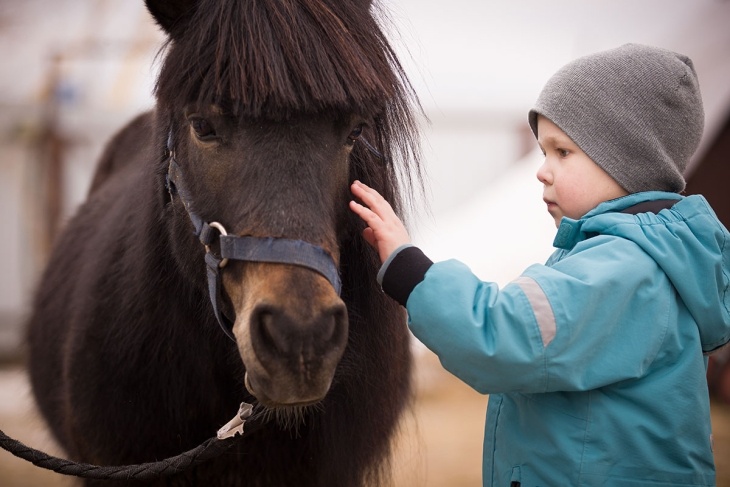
column 636, row 111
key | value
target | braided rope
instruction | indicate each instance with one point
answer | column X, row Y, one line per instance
column 211, row 448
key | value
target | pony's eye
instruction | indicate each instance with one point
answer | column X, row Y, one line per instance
column 203, row 129
column 356, row 132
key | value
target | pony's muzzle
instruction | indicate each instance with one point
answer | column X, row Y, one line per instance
column 291, row 329
column 297, row 353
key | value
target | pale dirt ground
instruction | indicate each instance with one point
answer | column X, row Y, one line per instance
column 440, row 446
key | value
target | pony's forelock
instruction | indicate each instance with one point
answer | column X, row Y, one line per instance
column 275, row 57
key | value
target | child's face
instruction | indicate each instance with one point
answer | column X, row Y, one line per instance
column 573, row 183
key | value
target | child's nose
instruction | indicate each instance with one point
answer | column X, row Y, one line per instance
column 543, row 175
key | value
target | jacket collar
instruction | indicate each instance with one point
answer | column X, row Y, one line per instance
column 570, row 231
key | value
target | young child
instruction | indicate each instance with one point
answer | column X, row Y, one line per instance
column 594, row 362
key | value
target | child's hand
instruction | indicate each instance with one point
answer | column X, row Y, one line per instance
column 385, row 231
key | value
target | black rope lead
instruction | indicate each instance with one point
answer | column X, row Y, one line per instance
column 211, row 448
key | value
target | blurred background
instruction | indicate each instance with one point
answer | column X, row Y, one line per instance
column 72, row 72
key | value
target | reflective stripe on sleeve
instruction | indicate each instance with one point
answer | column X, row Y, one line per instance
column 540, row 306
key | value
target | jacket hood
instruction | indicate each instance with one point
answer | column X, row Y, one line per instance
column 687, row 241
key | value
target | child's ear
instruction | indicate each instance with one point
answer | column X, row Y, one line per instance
column 172, row 15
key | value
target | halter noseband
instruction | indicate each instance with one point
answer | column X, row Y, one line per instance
column 246, row 248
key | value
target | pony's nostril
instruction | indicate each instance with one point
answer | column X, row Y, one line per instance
column 266, row 333
column 276, row 333
column 338, row 334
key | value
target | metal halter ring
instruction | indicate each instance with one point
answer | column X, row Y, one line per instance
column 223, row 232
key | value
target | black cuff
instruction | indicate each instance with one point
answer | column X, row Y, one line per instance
column 405, row 272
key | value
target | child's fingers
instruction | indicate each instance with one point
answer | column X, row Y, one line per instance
column 369, row 216
column 361, row 191
column 362, row 186
column 372, row 199
column 360, row 210
column 368, row 190
column 368, row 194
column 370, row 219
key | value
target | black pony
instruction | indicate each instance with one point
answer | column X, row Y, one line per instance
column 266, row 111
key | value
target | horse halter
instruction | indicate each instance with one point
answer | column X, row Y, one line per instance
column 247, row 248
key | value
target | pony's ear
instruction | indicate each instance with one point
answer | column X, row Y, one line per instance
column 171, row 15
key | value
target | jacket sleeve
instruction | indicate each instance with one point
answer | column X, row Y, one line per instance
column 402, row 271
column 596, row 317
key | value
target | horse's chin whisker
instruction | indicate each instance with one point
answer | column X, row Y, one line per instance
column 290, row 418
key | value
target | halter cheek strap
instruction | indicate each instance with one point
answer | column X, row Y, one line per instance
column 247, row 248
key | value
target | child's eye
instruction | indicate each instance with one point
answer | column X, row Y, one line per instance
column 562, row 152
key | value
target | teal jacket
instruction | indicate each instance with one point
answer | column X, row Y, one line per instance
column 595, row 362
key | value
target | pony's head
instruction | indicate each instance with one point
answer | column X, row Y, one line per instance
column 266, row 103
